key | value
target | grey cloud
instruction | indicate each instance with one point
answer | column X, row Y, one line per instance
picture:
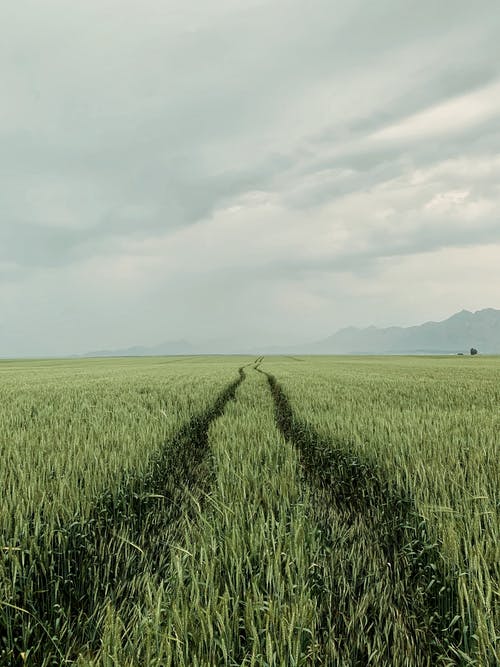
column 126, row 122
column 369, row 261
column 129, row 134
column 445, row 81
column 365, row 167
column 173, row 199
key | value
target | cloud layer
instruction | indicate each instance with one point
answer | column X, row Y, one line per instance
column 251, row 172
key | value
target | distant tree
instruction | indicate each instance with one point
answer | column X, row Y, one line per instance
column 473, row 351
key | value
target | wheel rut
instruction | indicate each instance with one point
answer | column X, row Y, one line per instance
column 421, row 593
column 70, row 570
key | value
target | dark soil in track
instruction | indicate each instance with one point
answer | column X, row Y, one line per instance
column 65, row 578
column 343, row 483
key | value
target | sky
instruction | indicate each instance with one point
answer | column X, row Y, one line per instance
column 245, row 172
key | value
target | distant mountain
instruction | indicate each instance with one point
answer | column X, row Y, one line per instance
column 173, row 348
column 170, row 348
column 457, row 334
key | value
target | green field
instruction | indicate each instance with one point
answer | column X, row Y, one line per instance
column 232, row 511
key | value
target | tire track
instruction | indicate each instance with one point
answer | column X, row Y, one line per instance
column 64, row 580
column 422, row 592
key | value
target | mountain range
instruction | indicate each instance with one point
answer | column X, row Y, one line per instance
column 457, row 334
column 170, row 348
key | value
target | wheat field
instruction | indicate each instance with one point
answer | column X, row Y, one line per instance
column 201, row 511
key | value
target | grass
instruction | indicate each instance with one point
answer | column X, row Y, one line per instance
column 92, row 451
column 339, row 511
column 239, row 589
column 428, row 428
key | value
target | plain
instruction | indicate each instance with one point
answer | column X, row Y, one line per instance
column 236, row 511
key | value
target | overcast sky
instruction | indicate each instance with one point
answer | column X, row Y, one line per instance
column 257, row 171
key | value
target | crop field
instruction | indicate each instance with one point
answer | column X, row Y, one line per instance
column 279, row 511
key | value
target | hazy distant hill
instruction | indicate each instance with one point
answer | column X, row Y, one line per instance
column 458, row 333
column 176, row 347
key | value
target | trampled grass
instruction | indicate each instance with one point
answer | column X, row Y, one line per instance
column 79, row 443
column 430, row 429
column 336, row 511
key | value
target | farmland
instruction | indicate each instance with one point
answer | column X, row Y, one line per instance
column 233, row 511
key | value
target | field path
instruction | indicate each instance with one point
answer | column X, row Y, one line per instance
column 100, row 561
column 250, row 540
column 240, row 592
column 296, row 553
column 382, row 589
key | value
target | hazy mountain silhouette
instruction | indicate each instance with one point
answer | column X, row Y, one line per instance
column 457, row 334
column 170, row 348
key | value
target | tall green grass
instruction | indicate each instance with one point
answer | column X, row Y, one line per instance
column 84, row 466
column 239, row 591
column 165, row 512
column 430, row 427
